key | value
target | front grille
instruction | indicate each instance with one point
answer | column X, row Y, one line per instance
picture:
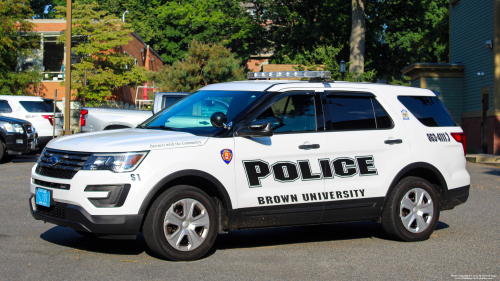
column 67, row 165
column 51, row 184
column 58, row 211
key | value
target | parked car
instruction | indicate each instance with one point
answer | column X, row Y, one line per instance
column 38, row 111
column 278, row 153
column 16, row 137
column 101, row 119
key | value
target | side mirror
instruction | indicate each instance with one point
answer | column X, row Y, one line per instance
column 218, row 119
column 256, row 129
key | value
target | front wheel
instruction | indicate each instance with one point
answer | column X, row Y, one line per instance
column 412, row 211
column 181, row 224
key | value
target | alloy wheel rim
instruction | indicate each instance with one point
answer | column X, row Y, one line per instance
column 186, row 224
column 416, row 210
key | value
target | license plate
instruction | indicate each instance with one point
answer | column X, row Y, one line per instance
column 43, row 197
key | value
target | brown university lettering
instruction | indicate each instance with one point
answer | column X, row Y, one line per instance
column 286, row 171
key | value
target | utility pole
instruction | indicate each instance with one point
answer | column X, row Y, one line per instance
column 67, row 94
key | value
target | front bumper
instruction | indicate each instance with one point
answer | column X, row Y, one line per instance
column 75, row 217
column 21, row 143
column 456, row 196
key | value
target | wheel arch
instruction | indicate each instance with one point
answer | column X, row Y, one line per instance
column 202, row 180
column 422, row 170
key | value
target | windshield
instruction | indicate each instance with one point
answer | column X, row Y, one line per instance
column 193, row 113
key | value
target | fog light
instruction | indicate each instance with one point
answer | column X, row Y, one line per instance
column 19, row 141
column 116, row 195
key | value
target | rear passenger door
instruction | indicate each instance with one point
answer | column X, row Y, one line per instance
column 366, row 149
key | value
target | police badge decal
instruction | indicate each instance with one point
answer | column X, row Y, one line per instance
column 227, row 155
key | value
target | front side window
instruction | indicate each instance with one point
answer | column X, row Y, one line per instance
column 295, row 113
column 192, row 114
column 5, row 107
column 430, row 111
column 36, row 106
column 356, row 112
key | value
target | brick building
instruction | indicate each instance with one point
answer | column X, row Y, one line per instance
column 50, row 58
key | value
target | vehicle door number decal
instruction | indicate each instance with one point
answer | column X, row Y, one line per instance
column 135, row 177
column 285, row 171
column 442, row 137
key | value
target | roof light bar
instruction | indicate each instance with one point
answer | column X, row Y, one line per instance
column 289, row 74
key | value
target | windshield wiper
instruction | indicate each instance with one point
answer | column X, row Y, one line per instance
column 164, row 128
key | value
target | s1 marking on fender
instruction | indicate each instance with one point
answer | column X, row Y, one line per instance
column 286, row 171
column 135, row 177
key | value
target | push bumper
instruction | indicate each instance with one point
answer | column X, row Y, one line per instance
column 18, row 144
column 456, row 196
column 75, row 217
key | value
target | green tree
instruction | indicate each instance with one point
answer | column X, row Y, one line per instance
column 325, row 58
column 170, row 26
column 415, row 31
column 100, row 37
column 203, row 64
column 16, row 40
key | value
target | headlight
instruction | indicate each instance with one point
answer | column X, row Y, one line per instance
column 115, row 162
column 13, row 128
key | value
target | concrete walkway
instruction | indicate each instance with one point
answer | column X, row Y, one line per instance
column 484, row 159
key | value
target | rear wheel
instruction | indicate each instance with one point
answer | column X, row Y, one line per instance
column 412, row 211
column 181, row 224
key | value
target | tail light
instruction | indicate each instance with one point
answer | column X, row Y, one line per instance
column 460, row 137
column 82, row 116
column 50, row 118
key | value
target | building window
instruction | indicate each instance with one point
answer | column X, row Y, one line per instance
column 53, row 55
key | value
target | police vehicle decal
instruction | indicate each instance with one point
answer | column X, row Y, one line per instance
column 286, row 171
column 309, row 197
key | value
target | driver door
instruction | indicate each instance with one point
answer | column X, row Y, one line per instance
column 279, row 179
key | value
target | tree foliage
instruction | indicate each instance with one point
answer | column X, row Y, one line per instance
column 170, row 26
column 99, row 37
column 203, row 64
column 16, row 40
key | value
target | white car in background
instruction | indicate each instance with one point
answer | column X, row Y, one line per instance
column 38, row 111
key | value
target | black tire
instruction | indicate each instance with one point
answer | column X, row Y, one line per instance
column 421, row 220
column 3, row 151
column 155, row 234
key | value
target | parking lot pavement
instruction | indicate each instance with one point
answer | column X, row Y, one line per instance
column 466, row 244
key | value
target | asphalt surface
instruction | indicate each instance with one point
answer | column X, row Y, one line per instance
column 465, row 245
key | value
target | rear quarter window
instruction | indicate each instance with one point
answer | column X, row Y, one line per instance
column 430, row 111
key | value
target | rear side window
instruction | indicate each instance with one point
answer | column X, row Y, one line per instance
column 168, row 101
column 5, row 107
column 50, row 104
column 430, row 111
column 357, row 112
column 36, row 106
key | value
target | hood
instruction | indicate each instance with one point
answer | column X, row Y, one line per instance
column 126, row 140
column 12, row 120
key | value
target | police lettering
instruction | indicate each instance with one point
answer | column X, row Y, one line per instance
column 284, row 171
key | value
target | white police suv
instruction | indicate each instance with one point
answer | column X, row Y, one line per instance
column 261, row 153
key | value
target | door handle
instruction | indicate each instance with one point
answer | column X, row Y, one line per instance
column 393, row 141
column 309, row 146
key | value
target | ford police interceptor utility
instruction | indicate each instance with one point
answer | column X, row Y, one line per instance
column 261, row 153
